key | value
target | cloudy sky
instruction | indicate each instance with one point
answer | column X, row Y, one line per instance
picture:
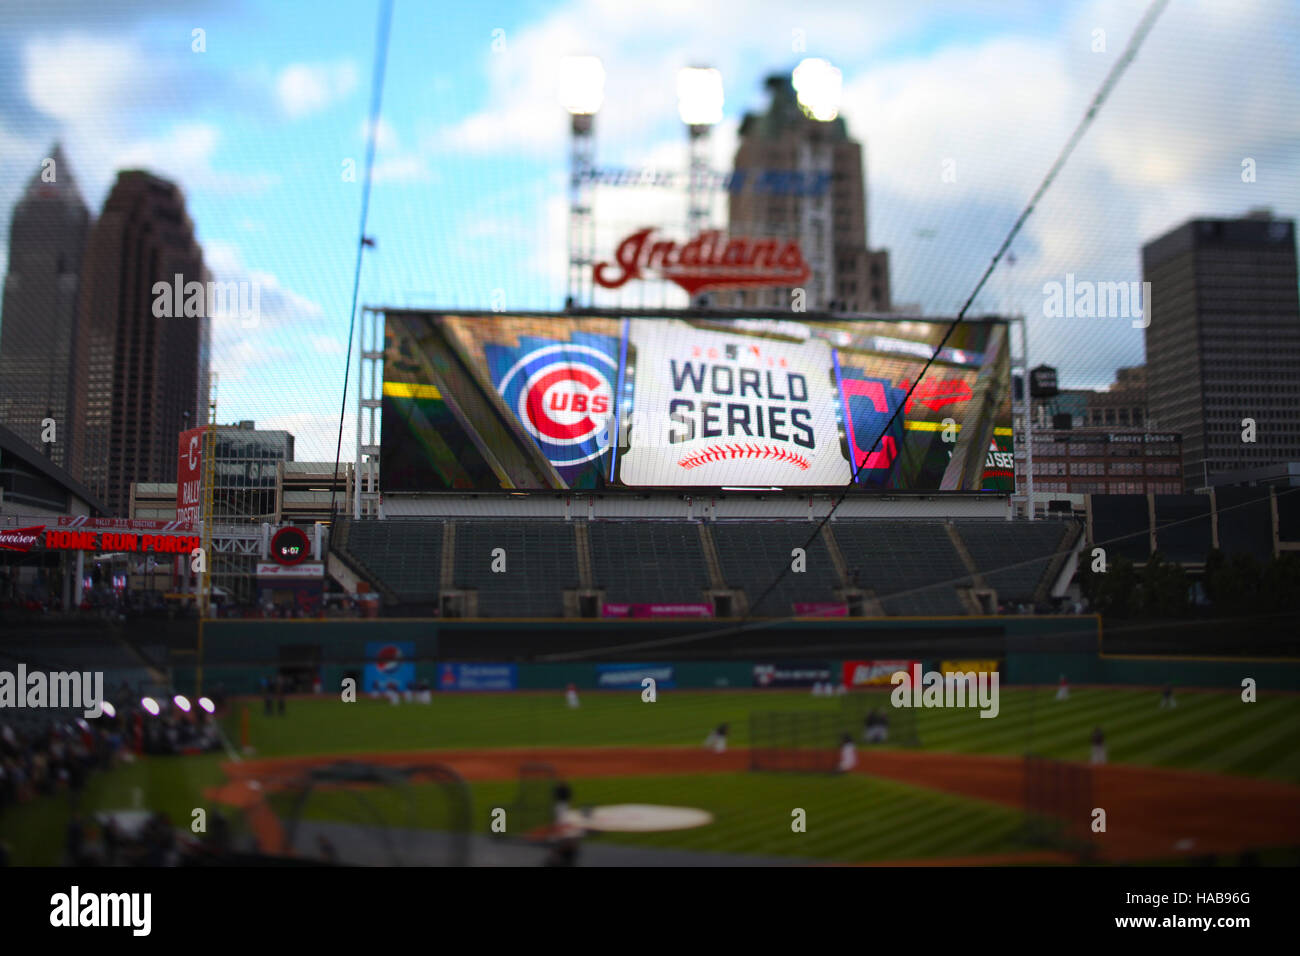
column 469, row 190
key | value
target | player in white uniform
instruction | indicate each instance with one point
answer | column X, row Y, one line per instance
column 1062, row 689
column 848, row 754
column 571, row 696
column 717, row 740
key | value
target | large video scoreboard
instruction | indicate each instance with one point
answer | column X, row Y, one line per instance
column 492, row 401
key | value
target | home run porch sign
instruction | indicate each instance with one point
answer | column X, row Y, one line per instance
column 720, row 409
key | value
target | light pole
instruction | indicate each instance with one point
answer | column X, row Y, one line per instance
column 699, row 103
column 582, row 91
column 818, row 86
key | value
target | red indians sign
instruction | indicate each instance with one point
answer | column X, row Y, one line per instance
column 709, row 261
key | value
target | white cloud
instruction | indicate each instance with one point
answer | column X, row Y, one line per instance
column 75, row 75
column 305, row 88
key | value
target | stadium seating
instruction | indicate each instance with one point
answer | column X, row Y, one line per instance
column 648, row 562
column 753, row 554
column 405, row 555
column 1014, row 557
column 911, row 566
column 540, row 557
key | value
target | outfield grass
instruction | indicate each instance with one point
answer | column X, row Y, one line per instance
column 1207, row 731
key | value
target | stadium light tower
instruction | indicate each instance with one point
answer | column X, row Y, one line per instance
column 699, row 102
column 582, row 92
column 817, row 87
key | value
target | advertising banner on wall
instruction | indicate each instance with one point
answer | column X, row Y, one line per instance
column 620, row 676
column 189, row 476
column 792, row 674
column 389, row 666
column 477, row 677
column 656, row 610
column 967, row 667
column 821, row 609
column 494, row 401
column 873, row 673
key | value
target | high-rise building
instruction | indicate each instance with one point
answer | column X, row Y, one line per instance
column 824, row 207
column 1223, row 343
column 140, row 377
column 47, row 237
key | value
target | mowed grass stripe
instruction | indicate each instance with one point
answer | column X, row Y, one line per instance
column 1054, row 728
column 1118, row 719
column 1262, row 740
column 1038, row 712
column 1154, row 729
column 1182, row 738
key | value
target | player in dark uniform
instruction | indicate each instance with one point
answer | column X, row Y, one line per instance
column 1098, row 746
column 875, row 729
column 1167, row 697
column 566, row 838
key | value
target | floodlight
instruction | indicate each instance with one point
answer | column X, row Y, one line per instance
column 699, row 96
column 817, row 85
column 582, row 84
column 182, row 702
column 151, row 705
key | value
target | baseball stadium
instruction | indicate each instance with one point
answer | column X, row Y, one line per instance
column 550, row 635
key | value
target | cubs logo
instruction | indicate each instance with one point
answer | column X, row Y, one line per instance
column 562, row 396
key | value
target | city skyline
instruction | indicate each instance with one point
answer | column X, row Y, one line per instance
column 469, row 188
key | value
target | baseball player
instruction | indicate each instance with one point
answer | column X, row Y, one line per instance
column 717, row 740
column 848, row 754
column 1062, row 689
column 566, row 838
column 1098, row 746
column 1167, row 697
column 875, row 729
column 571, row 695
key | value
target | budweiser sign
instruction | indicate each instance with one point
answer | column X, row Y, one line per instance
column 709, row 261
column 20, row 539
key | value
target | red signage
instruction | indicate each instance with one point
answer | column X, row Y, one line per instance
column 20, row 539
column 821, row 609
column 119, row 541
column 189, row 471
column 934, row 395
column 124, row 524
column 709, row 261
column 871, row 673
